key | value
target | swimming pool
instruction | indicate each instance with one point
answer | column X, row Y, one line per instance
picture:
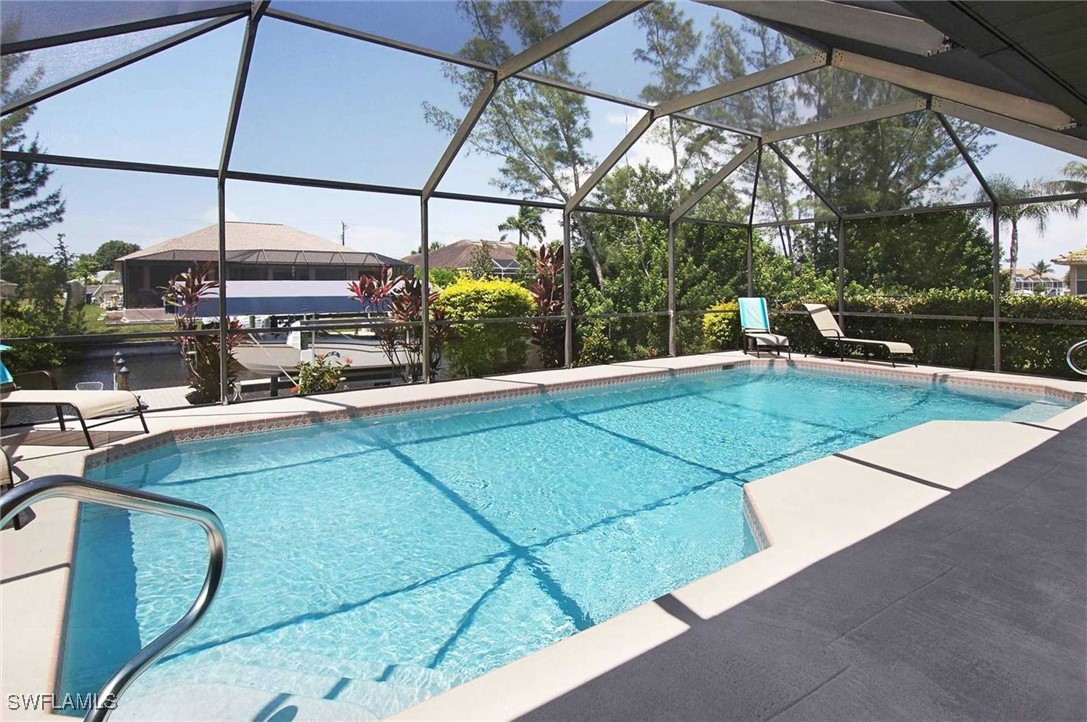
column 380, row 561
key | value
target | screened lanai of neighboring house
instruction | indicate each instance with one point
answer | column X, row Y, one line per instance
column 992, row 84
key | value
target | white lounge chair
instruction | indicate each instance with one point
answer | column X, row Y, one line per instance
column 755, row 325
column 88, row 405
column 829, row 328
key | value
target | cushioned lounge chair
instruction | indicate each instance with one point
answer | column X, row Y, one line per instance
column 88, row 405
column 829, row 328
column 755, row 325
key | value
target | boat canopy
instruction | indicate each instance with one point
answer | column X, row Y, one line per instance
column 288, row 298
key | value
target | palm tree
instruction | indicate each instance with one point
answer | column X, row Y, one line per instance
column 1074, row 181
column 1041, row 268
column 528, row 223
column 1006, row 189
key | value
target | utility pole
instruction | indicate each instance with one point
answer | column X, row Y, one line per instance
column 343, row 233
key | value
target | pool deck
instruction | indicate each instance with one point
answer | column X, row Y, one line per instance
column 937, row 572
column 974, row 607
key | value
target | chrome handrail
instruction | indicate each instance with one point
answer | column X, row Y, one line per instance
column 1071, row 364
column 93, row 492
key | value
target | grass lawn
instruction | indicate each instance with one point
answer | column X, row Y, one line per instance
column 95, row 318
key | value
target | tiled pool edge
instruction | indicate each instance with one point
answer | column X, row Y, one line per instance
column 596, row 647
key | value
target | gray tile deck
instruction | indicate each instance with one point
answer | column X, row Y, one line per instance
column 973, row 608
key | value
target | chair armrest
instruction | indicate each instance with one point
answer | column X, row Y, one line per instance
column 48, row 375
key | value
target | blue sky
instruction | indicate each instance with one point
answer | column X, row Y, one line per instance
column 330, row 107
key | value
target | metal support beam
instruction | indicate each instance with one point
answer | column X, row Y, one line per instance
column 676, row 106
column 581, row 28
column 751, row 226
column 394, row 44
column 672, row 288
column 608, row 163
column 1011, row 40
column 870, row 26
column 702, row 191
column 224, row 320
column 1026, row 131
column 741, row 84
column 915, row 211
column 966, row 157
column 240, row 80
column 75, row 161
column 24, row 46
column 122, row 62
column 845, row 121
column 344, row 31
column 424, row 240
column 811, row 186
column 996, row 291
column 1013, row 106
column 567, row 291
column 841, row 272
column 463, row 131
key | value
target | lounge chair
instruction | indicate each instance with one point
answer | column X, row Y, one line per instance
column 824, row 321
column 7, row 482
column 88, row 405
column 755, row 325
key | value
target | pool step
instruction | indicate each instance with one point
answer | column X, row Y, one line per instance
column 375, row 690
column 213, row 702
column 1035, row 411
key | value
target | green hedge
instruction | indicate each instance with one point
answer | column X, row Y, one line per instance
column 1025, row 347
column 482, row 349
column 721, row 330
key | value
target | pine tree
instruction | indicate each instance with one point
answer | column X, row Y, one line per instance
column 671, row 50
column 21, row 210
column 538, row 131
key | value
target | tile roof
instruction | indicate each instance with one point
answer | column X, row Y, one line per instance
column 458, row 255
column 1076, row 257
column 258, row 243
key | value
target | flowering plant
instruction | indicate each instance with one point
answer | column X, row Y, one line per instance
column 323, row 373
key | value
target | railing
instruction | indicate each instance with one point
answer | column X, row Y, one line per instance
column 1072, row 364
column 74, row 487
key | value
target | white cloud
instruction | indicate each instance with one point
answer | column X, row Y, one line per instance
column 1063, row 233
column 211, row 215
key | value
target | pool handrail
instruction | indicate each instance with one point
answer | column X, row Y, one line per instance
column 1072, row 364
column 92, row 492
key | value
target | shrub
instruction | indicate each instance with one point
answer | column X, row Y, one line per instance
column 596, row 347
column 1026, row 347
column 721, row 331
column 443, row 277
column 481, row 349
column 322, row 373
column 22, row 320
column 547, row 293
column 202, row 354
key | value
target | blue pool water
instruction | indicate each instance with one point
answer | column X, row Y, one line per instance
column 378, row 562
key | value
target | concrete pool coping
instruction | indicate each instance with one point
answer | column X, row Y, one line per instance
column 803, row 514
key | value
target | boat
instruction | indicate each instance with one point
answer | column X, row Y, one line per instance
column 275, row 353
column 287, row 322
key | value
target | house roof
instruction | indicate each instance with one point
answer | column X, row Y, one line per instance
column 1029, row 273
column 268, row 243
column 1073, row 258
column 458, row 255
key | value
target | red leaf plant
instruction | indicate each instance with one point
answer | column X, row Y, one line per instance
column 402, row 337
